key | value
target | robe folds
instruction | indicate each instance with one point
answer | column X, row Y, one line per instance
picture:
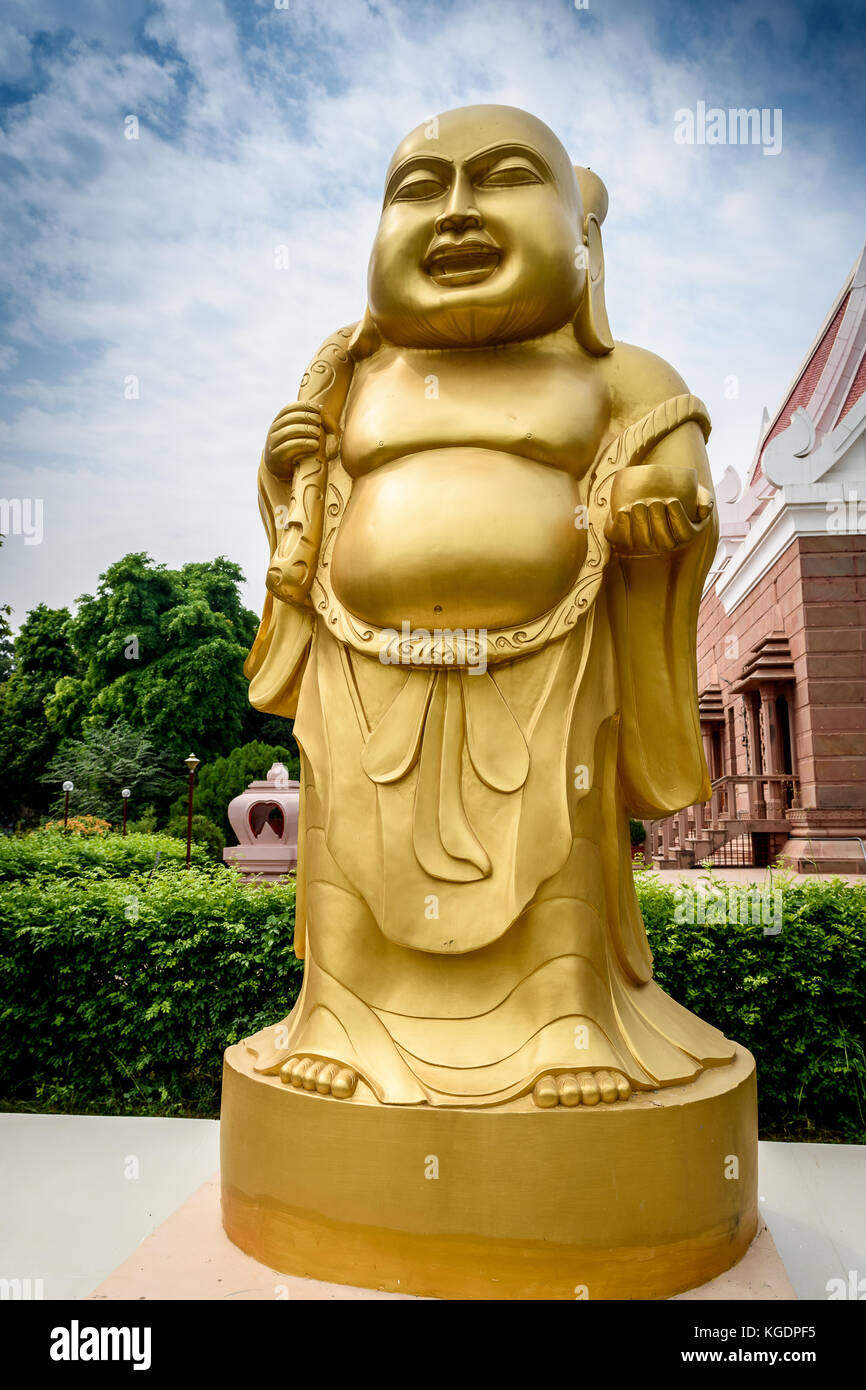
column 466, row 905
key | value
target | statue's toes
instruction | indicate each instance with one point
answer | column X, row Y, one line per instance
column 606, row 1086
column 568, row 1088
column 344, row 1083
column 325, row 1077
column 319, row 1074
column 589, row 1091
column 580, row 1088
column 546, row 1093
column 623, row 1087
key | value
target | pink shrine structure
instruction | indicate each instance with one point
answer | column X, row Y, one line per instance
column 265, row 821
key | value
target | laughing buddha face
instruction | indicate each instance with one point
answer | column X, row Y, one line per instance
column 479, row 235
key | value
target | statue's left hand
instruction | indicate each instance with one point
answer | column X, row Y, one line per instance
column 297, row 432
column 656, row 508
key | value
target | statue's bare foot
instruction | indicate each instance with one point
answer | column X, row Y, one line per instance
column 316, row 1074
column 580, row 1088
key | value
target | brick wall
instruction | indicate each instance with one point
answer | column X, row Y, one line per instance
column 815, row 594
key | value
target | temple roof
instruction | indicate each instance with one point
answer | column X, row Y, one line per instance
column 832, row 376
column 806, row 455
column 768, row 661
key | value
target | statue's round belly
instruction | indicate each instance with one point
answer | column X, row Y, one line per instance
column 457, row 538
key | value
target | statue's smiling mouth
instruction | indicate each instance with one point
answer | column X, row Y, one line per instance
column 462, row 262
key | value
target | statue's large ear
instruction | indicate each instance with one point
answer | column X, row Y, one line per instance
column 590, row 324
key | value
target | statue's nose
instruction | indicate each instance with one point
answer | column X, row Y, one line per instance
column 459, row 214
column 455, row 220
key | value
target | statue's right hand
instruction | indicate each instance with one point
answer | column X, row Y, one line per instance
column 296, row 432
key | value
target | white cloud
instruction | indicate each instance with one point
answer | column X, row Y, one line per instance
column 154, row 257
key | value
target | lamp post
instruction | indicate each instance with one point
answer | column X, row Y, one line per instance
column 126, row 793
column 67, row 787
column 192, row 763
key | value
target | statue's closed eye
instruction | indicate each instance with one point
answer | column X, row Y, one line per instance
column 508, row 176
column 417, row 187
column 422, row 184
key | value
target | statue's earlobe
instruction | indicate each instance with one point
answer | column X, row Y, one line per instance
column 590, row 324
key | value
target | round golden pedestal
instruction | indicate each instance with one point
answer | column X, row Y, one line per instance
column 641, row 1199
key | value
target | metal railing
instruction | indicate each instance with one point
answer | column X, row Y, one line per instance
column 703, row 829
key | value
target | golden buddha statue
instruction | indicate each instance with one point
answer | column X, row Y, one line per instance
column 489, row 527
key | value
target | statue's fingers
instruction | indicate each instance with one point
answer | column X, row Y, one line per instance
column 291, row 449
column 618, row 530
column 297, row 410
column 282, row 462
column 705, row 503
column 288, row 432
column 328, row 420
column 289, row 453
column 640, row 527
column 310, row 422
column 681, row 528
column 662, row 535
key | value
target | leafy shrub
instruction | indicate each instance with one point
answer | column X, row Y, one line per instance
column 119, row 995
column 50, row 852
column 146, row 822
column 637, row 831
column 204, row 833
column 121, row 987
column 79, row 825
column 795, row 1000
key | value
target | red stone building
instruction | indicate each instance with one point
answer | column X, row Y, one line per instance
column 782, row 630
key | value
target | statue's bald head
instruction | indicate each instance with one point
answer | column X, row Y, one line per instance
column 481, row 224
column 470, row 128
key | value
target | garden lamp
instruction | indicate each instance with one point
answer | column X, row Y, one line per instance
column 126, row 794
column 192, row 763
column 67, row 787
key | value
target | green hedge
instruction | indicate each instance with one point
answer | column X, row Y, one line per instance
column 795, row 1000
column 120, row 993
column 56, row 854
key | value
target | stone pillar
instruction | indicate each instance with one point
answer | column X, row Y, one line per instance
column 707, row 740
column 757, row 806
column 772, row 750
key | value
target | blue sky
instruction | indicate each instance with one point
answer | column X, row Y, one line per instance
column 262, row 127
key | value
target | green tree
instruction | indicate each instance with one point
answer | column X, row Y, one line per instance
column 163, row 651
column 43, row 655
column 154, row 650
column 104, row 761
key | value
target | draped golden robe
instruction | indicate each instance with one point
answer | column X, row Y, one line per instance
column 466, row 907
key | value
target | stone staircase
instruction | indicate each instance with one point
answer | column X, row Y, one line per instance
column 746, row 812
